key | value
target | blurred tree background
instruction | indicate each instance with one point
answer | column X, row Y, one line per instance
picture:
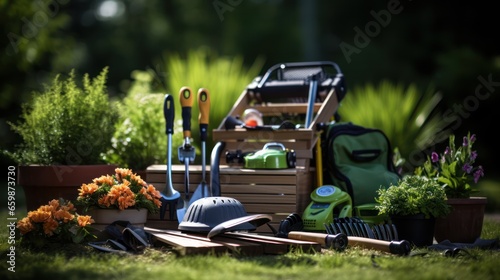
column 441, row 43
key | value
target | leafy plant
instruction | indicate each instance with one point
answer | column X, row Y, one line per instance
column 57, row 221
column 413, row 195
column 407, row 116
column 454, row 169
column 122, row 190
column 66, row 124
column 139, row 139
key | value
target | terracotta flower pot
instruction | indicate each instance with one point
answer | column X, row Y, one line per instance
column 465, row 222
column 44, row 183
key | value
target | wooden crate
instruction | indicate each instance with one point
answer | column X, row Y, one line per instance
column 301, row 140
column 275, row 192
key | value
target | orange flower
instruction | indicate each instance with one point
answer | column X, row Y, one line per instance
column 104, row 180
column 154, row 192
column 39, row 216
column 121, row 173
column 84, row 220
column 46, row 208
column 54, row 203
column 123, row 195
column 25, row 225
column 138, row 179
column 70, row 207
column 87, row 189
column 119, row 191
column 50, row 226
column 63, row 215
column 106, row 201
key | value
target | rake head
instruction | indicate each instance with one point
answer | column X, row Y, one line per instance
column 354, row 226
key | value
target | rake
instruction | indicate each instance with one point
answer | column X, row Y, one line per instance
column 354, row 226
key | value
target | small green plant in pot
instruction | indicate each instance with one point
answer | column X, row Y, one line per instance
column 413, row 204
column 65, row 131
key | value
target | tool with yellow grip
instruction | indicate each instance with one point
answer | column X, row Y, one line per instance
column 204, row 107
column 186, row 152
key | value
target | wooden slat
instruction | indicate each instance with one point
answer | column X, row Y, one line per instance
column 240, row 243
column 277, row 109
column 269, row 208
column 263, row 135
column 188, row 246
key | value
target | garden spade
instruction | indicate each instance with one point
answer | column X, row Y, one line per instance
column 169, row 195
column 186, row 152
column 204, row 108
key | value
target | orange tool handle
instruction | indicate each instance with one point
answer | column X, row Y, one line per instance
column 204, row 107
column 186, row 97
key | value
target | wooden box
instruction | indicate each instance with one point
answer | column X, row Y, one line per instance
column 275, row 192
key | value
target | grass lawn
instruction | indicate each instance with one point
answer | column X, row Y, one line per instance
column 83, row 262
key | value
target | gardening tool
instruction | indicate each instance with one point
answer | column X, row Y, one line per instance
column 214, row 169
column 355, row 226
column 336, row 240
column 313, row 88
column 169, row 196
column 273, row 155
column 327, row 203
column 186, row 151
column 204, row 108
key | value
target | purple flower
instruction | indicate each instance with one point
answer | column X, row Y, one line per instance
column 473, row 156
column 479, row 173
column 434, row 157
column 447, row 150
column 473, row 138
column 466, row 142
column 467, row 168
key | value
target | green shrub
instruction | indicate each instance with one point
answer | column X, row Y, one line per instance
column 66, row 124
column 413, row 195
column 407, row 116
column 140, row 139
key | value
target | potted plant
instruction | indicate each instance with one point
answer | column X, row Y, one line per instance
column 65, row 130
column 413, row 205
column 55, row 222
column 457, row 173
column 121, row 196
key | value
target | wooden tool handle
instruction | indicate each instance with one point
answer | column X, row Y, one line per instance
column 334, row 241
column 402, row 247
column 186, row 99
column 337, row 241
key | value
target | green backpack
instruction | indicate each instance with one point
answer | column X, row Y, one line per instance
column 359, row 161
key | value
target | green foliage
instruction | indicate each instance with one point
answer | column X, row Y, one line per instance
column 66, row 124
column 225, row 78
column 413, row 195
column 139, row 139
column 407, row 116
